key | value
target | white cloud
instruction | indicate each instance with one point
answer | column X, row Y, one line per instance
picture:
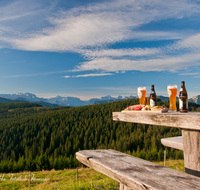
column 88, row 30
column 34, row 74
column 15, row 10
column 101, row 23
column 156, row 35
column 66, row 76
column 190, row 43
column 166, row 63
column 119, row 52
column 82, row 28
column 189, row 74
column 93, row 75
column 196, row 77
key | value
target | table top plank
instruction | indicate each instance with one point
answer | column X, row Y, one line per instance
column 190, row 120
column 135, row 172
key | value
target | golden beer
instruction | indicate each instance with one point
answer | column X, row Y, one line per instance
column 142, row 94
column 172, row 92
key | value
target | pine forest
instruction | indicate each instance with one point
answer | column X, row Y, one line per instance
column 35, row 138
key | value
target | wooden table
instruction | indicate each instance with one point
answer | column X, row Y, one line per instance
column 188, row 122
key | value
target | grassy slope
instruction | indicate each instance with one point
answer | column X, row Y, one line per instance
column 66, row 179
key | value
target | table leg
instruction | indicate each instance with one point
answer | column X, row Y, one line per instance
column 123, row 187
column 191, row 147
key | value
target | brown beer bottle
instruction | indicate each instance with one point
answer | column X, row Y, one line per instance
column 153, row 98
column 183, row 99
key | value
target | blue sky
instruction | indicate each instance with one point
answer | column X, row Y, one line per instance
column 96, row 48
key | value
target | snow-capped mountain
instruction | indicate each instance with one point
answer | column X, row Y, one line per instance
column 61, row 101
column 74, row 101
column 195, row 99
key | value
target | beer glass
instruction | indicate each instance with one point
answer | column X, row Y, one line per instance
column 172, row 92
column 142, row 94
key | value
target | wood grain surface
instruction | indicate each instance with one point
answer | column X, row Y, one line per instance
column 173, row 142
column 191, row 145
column 190, row 120
column 136, row 173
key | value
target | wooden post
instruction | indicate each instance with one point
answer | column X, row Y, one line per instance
column 29, row 181
column 164, row 157
column 191, row 146
column 77, row 175
column 124, row 187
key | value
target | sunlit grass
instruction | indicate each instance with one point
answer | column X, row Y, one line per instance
column 61, row 179
column 174, row 164
column 88, row 179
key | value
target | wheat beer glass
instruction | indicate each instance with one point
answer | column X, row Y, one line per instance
column 172, row 92
column 142, row 94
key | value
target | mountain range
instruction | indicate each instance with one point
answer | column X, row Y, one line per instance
column 70, row 101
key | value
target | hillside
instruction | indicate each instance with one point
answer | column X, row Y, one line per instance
column 5, row 100
column 46, row 138
column 7, row 106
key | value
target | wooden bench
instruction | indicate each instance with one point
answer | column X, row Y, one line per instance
column 173, row 142
column 135, row 173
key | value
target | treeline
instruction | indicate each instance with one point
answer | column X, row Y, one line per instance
column 7, row 106
column 47, row 138
column 15, row 113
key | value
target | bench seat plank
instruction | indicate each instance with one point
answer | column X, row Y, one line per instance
column 136, row 173
column 173, row 142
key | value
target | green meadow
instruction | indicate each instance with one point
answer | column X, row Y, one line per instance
column 66, row 179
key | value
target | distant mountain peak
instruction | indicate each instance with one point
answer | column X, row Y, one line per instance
column 75, row 101
column 195, row 99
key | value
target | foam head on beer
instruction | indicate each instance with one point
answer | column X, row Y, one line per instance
column 142, row 94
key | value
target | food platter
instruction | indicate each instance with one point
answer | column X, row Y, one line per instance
column 146, row 111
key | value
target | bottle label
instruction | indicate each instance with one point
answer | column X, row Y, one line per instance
column 152, row 103
column 181, row 89
column 180, row 104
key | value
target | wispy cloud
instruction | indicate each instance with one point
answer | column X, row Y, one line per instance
column 196, row 77
column 166, row 63
column 119, row 52
column 93, row 75
column 89, row 29
column 189, row 73
column 103, row 23
column 190, row 43
column 35, row 74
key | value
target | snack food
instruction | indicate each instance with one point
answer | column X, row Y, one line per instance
column 156, row 108
column 134, row 108
column 146, row 108
column 159, row 108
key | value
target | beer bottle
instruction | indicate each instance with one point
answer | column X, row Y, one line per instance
column 183, row 99
column 153, row 98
